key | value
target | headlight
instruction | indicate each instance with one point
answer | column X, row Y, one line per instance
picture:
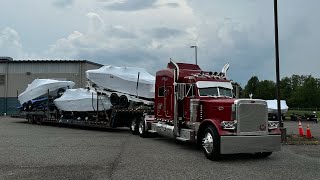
column 230, row 125
column 273, row 124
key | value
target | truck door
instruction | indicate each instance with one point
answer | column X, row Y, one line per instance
column 186, row 103
column 168, row 102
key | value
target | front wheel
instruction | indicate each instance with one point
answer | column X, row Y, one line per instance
column 211, row 144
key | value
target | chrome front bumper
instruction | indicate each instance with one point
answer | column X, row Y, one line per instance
column 249, row 144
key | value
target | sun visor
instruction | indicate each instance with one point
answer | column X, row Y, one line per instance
column 206, row 84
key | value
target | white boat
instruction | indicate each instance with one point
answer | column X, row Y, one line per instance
column 82, row 100
column 40, row 87
column 124, row 80
column 273, row 107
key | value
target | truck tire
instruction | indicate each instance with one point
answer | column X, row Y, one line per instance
column 211, row 143
column 263, row 154
column 142, row 128
column 114, row 99
column 134, row 126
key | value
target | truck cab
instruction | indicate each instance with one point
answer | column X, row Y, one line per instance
column 196, row 105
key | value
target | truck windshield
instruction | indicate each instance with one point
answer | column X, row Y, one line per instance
column 225, row 92
column 210, row 91
column 215, row 91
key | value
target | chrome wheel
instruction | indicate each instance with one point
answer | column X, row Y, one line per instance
column 143, row 132
column 207, row 143
column 133, row 125
column 141, row 127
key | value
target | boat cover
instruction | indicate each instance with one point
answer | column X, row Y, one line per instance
column 272, row 106
column 124, row 79
column 81, row 100
column 40, row 87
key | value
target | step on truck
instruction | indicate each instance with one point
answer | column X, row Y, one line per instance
column 189, row 105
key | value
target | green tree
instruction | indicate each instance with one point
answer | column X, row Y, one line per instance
column 285, row 88
column 298, row 90
column 252, row 87
column 309, row 92
column 266, row 90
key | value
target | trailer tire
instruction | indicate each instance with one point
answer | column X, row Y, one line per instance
column 134, row 126
column 30, row 120
column 142, row 128
column 262, row 154
column 39, row 120
column 211, row 143
column 114, row 99
column 123, row 101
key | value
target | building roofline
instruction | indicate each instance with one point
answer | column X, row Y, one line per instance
column 57, row 61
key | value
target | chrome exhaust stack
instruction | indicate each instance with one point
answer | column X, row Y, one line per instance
column 175, row 116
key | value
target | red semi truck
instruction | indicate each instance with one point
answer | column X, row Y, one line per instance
column 198, row 106
column 190, row 105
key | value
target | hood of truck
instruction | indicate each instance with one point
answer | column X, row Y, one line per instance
column 217, row 108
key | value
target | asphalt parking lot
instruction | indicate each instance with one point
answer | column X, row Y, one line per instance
column 293, row 127
column 50, row 152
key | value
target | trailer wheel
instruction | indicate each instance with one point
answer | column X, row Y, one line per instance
column 211, row 143
column 134, row 126
column 30, row 119
column 262, row 154
column 39, row 120
column 142, row 128
column 123, row 101
column 114, row 99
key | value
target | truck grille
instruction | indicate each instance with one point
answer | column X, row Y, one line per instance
column 252, row 118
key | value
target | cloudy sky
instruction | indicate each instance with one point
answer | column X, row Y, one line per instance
column 147, row 33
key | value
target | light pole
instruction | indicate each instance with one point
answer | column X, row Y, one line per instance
column 276, row 38
column 196, row 56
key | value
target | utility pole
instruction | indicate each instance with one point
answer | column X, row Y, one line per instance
column 196, row 56
column 276, row 38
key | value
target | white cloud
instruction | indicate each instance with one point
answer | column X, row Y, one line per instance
column 149, row 33
column 10, row 43
column 63, row 3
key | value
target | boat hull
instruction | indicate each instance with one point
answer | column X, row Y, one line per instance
column 82, row 100
column 40, row 87
column 124, row 80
